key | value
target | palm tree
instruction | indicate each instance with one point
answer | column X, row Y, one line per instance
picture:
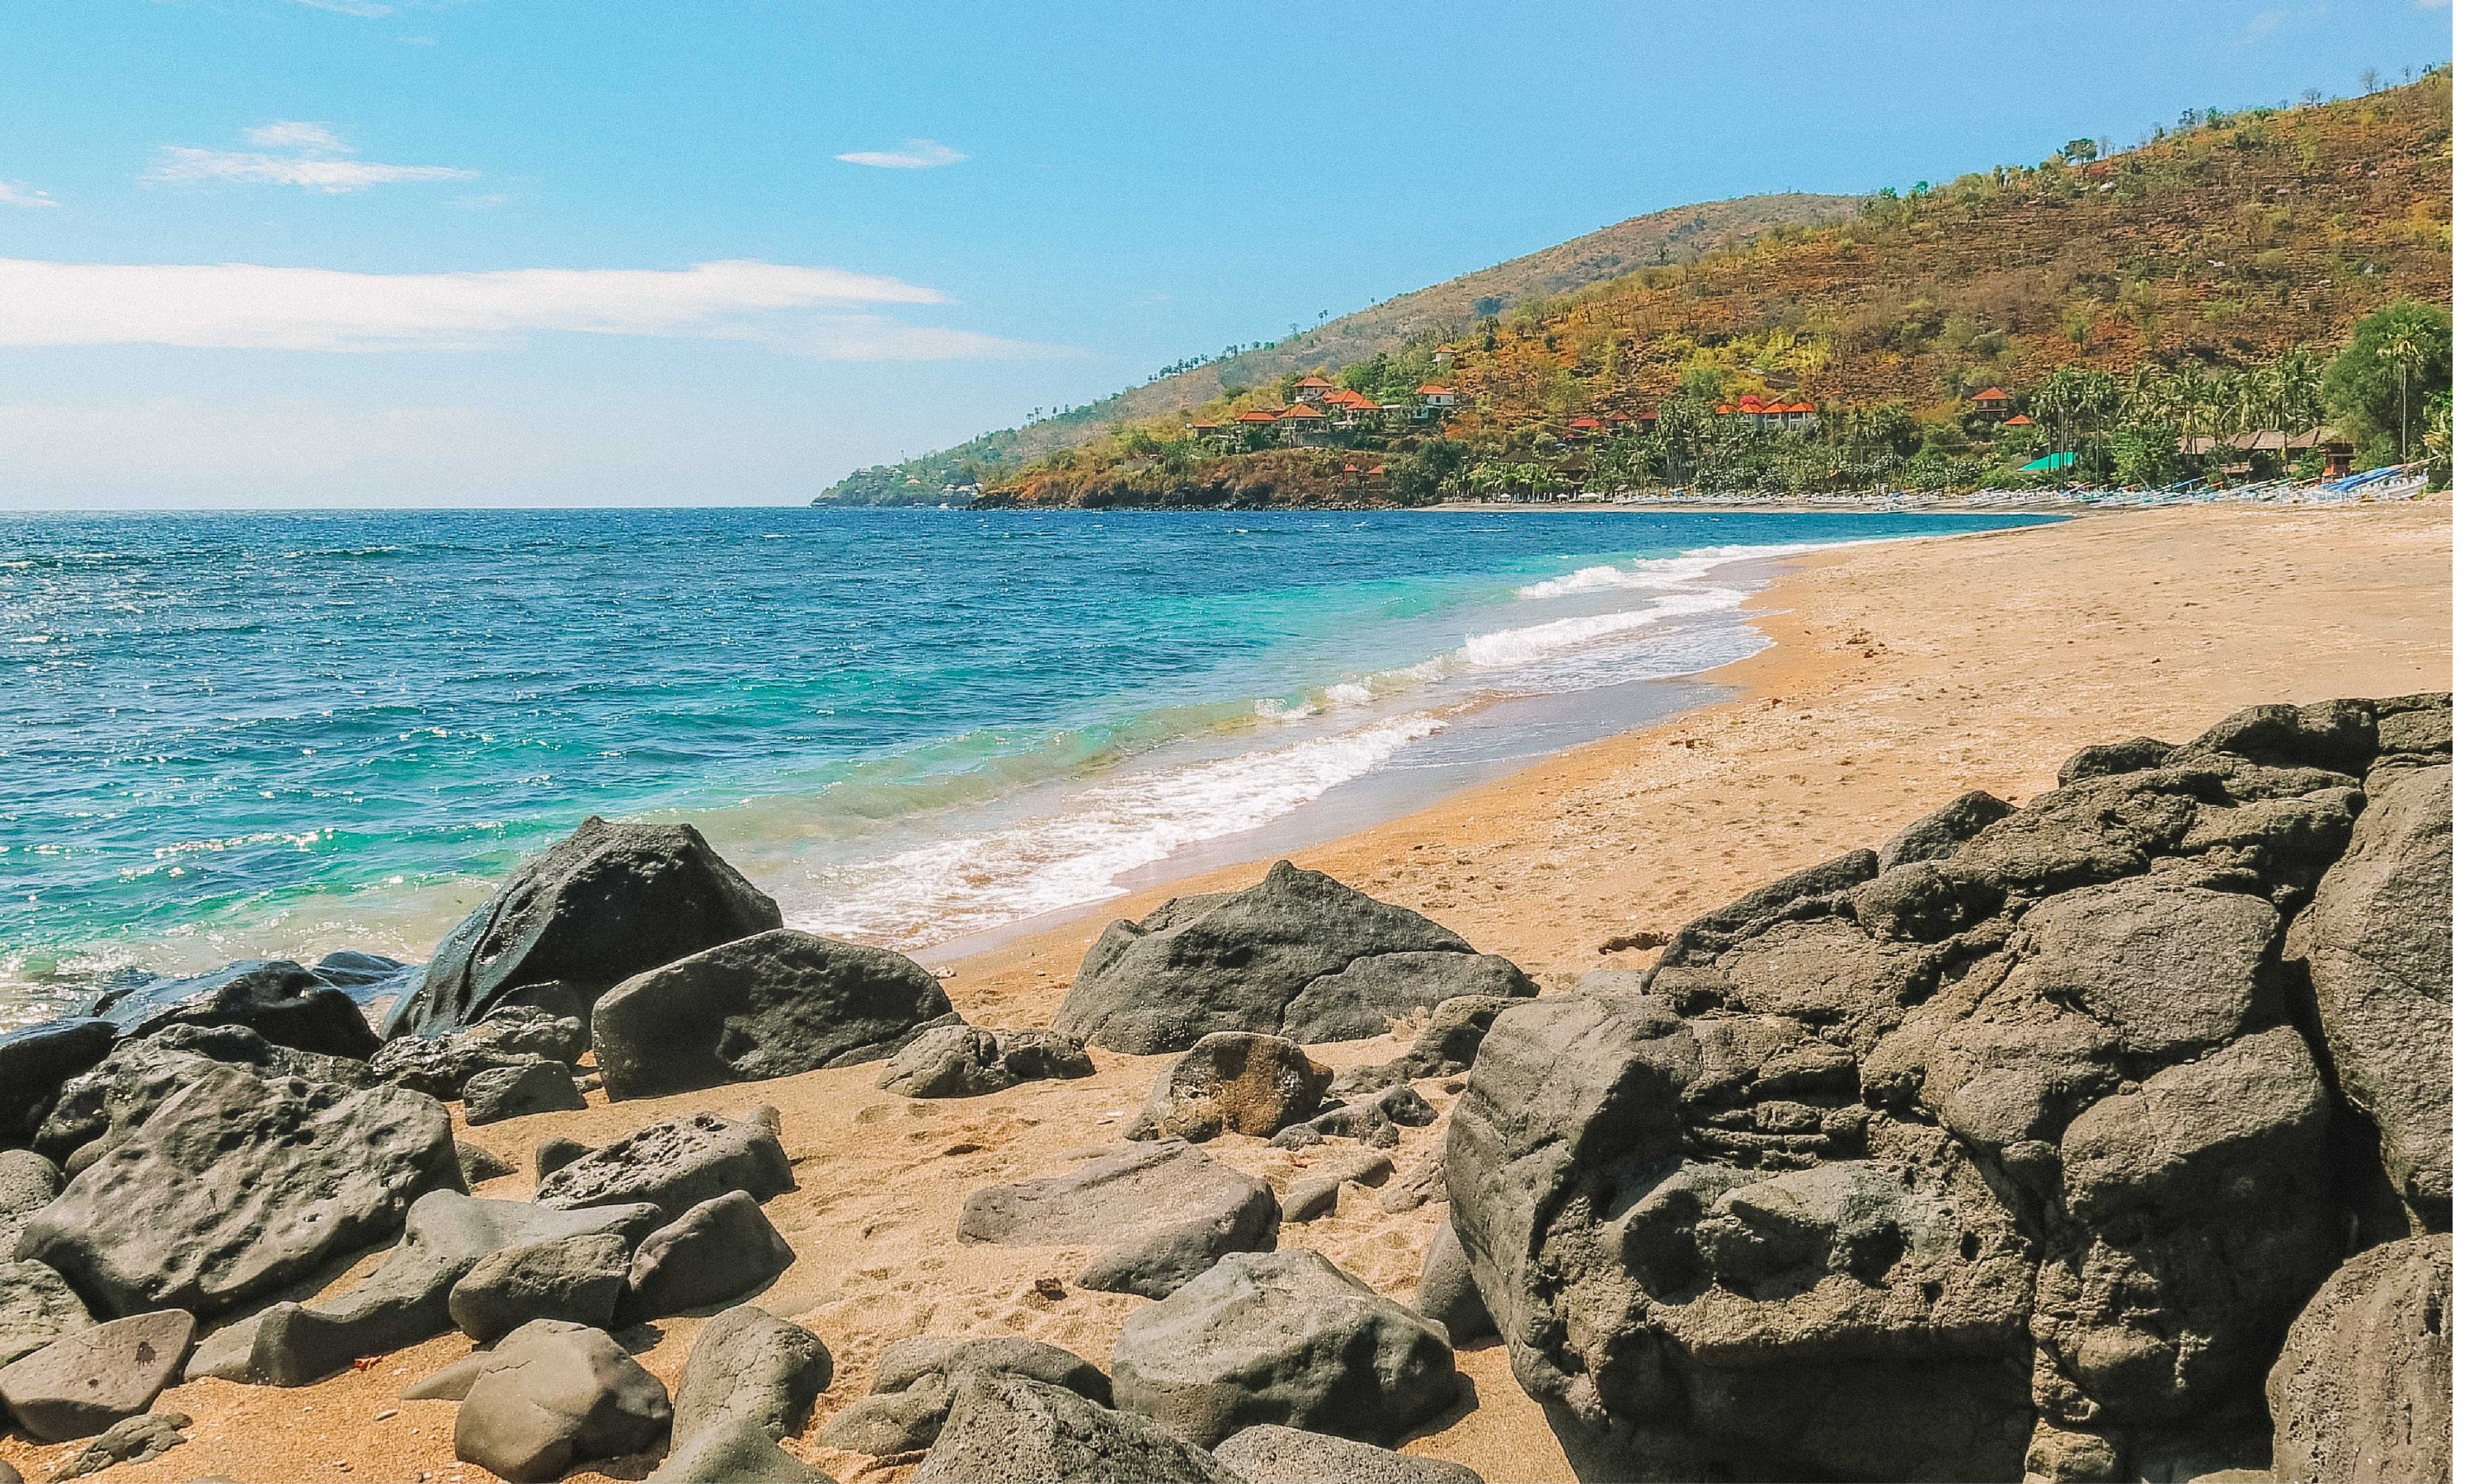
column 2401, row 349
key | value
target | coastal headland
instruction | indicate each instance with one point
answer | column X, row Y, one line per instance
column 1902, row 676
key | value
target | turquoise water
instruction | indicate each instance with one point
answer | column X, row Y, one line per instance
column 227, row 734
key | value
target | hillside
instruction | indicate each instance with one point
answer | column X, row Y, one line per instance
column 1680, row 235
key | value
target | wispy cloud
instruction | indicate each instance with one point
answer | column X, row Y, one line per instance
column 14, row 193
column 314, row 158
column 913, row 155
column 826, row 313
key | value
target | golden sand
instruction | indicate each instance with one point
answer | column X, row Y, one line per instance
column 1902, row 676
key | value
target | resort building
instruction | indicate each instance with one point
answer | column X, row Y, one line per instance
column 1313, row 389
column 1773, row 416
column 1992, row 401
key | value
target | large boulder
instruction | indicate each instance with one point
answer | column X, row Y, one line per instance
column 964, row 1061
column 750, row 1380
column 1282, row 1337
column 906, row 1407
column 28, row 1183
column 1163, row 1212
column 606, row 903
column 677, row 1163
column 1008, row 1427
column 89, row 1379
column 721, row 1249
column 37, row 1306
column 2361, row 1390
column 509, row 1036
column 1251, row 961
column 35, row 1061
column 1998, row 1151
column 237, row 1187
column 1268, row 1453
column 536, row 1085
column 577, row 1279
column 2374, row 945
column 1447, row 1294
column 768, row 1005
column 277, row 998
column 108, row 1102
column 1235, row 1081
column 546, row 1400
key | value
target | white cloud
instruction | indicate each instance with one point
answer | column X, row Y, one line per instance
column 913, row 155
column 819, row 312
column 319, row 161
column 13, row 194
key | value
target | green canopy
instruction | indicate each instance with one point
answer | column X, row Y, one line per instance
column 2051, row 461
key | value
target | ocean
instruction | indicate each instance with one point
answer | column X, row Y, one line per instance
column 242, row 735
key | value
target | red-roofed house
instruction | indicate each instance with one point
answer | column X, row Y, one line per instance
column 1435, row 400
column 1304, row 424
column 1991, row 399
column 1313, row 389
column 2019, row 420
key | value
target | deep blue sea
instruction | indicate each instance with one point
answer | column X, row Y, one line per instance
column 229, row 735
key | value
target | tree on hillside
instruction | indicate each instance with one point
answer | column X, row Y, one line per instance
column 2378, row 382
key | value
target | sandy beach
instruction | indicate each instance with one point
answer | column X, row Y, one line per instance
column 1900, row 675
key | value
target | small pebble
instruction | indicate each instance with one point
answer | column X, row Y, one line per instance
column 383, row 1416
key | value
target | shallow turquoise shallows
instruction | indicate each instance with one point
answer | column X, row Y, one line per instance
column 229, row 735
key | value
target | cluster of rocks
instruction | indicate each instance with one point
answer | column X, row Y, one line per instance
column 2016, row 1146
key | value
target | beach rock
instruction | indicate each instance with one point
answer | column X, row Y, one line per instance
column 1447, row 1294
column 1942, row 831
column 509, row 1036
column 768, row 1005
column 2103, row 759
column 1607, row 981
column 964, row 1061
column 678, row 1164
column 606, row 903
column 406, row 1300
column 276, row 998
column 750, row 1380
column 1006, row 1426
column 2374, row 945
column 556, row 1153
column 1237, row 962
column 1370, row 994
column 132, row 1440
column 1282, row 1337
column 576, row 1279
column 351, row 968
column 1317, row 1192
column 28, row 1183
column 1267, row 1453
column 1165, row 1212
column 35, row 1061
column 721, row 1249
column 1375, row 1120
column 453, row 1380
column 478, row 1164
column 99, row 1108
column 1235, row 1081
column 2340, row 737
column 37, row 1306
column 536, row 1086
column 2361, row 1390
column 89, row 1379
column 915, row 1380
column 548, row 1400
column 237, row 1187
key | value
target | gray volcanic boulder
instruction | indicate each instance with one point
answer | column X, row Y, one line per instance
column 1235, row 1081
column 406, row 1300
column 2361, row 1390
column 749, row 1381
column 1367, row 996
column 107, row 1102
column 1164, row 1212
column 607, row 902
column 915, row 1380
column 964, row 1061
column 577, row 1279
column 1240, row 961
column 509, row 1036
column 276, row 998
column 37, row 1306
column 2374, row 943
column 1447, row 1042
column 1447, row 1294
column 1282, row 1337
column 132, row 1440
column 1008, row 1426
column 28, row 1183
column 536, row 1085
column 237, row 1187
column 768, row 1005
column 89, row 1379
column 547, row 1400
column 677, row 1163
column 35, row 1061
column 1316, row 1193
column 1944, row 830
column 1268, row 1453
column 721, row 1249
column 1375, row 1120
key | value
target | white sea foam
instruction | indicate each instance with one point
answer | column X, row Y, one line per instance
column 1669, row 573
column 1507, row 649
column 1074, row 853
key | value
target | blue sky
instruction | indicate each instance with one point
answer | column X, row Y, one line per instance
column 483, row 251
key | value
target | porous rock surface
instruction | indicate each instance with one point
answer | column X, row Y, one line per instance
column 1268, row 1453
column 108, row 1101
column 767, row 1005
column 1164, row 1212
column 750, row 1380
column 1891, row 1172
column 606, row 903
column 28, row 1183
column 1282, row 1337
column 1257, row 960
column 89, row 1379
column 965, row 1061
column 1008, row 1426
column 2362, row 1389
column 509, row 1036
column 1235, row 1081
column 677, row 1163
column 906, row 1404
column 519, row 1089
column 37, row 1306
column 235, row 1187
column 577, row 1279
